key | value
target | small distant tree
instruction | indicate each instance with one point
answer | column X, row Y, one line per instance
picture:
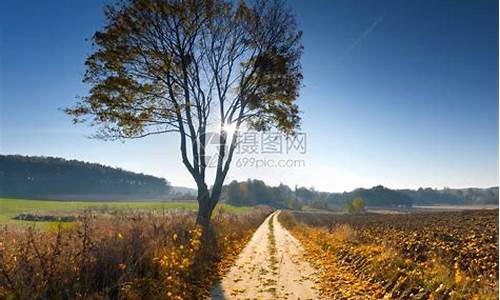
column 292, row 203
column 357, row 205
column 194, row 67
column 233, row 194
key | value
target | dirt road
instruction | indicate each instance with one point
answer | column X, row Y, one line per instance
column 270, row 267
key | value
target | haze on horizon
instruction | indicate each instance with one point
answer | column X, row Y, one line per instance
column 399, row 94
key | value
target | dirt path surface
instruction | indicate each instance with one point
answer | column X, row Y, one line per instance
column 270, row 267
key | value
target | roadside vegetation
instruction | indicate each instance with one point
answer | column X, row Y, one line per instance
column 447, row 255
column 133, row 256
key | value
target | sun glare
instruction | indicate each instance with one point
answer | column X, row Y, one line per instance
column 229, row 128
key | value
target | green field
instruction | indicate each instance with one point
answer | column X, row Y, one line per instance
column 10, row 208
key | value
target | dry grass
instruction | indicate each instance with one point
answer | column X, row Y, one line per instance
column 422, row 256
column 135, row 256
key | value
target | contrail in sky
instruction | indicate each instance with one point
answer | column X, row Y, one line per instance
column 360, row 38
column 366, row 33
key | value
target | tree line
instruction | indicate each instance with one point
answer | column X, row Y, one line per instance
column 30, row 176
column 256, row 192
column 465, row 196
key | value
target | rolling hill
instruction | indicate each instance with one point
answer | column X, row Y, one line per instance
column 57, row 178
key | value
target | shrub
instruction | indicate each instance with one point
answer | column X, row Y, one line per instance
column 357, row 205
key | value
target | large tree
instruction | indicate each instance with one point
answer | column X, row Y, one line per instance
column 161, row 66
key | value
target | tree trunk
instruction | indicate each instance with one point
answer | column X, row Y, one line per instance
column 208, row 249
column 205, row 209
column 207, row 202
column 204, row 212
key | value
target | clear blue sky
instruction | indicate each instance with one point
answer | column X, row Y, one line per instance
column 398, row 93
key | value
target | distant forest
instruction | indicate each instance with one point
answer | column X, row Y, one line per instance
column 57, row 178
column 48, row 177
column 428, row 196
column 255, row 192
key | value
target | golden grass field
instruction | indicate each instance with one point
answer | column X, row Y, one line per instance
column 134, row 255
